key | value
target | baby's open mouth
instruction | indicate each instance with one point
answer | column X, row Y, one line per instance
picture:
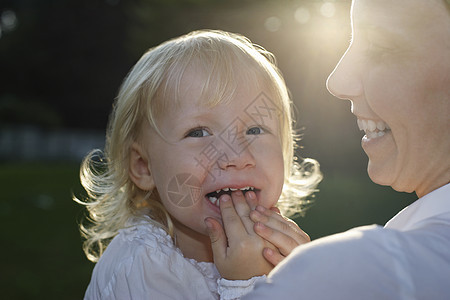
column 213, row 197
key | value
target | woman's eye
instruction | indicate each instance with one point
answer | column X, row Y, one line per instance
column 198, row 132
column 376, row 52
column 255, row 130
column 379, row 51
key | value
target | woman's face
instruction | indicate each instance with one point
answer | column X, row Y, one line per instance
column 396, row 73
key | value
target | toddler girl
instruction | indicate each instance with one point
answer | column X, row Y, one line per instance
column 199, row 145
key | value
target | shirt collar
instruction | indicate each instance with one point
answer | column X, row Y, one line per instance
column 432, row 204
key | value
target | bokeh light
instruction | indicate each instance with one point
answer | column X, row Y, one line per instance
column 272, row 24
column 8, row 20
column 328, row 9
column 302, row 15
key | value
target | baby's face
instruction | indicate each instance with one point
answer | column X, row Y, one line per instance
column 205, row 151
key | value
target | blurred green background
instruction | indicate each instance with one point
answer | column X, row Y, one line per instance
column 61, row 64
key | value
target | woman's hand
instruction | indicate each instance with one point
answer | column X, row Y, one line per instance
column 279, row 231
column 237, row 249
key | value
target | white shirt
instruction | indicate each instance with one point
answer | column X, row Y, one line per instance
column 407, row 259
column 142, row 262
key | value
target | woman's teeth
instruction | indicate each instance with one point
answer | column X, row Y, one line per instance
column 373, row 129
column 214, row 196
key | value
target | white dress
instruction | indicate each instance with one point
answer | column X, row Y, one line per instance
column 142, row 262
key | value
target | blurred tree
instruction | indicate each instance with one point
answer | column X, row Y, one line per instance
column 14, row 111
column 73, row 54
column 68, row 54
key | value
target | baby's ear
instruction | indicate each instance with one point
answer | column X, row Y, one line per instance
column 139, row 170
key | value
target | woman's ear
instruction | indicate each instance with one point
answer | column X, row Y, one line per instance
column 139, row 170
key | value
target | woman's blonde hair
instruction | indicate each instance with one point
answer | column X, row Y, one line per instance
column 112, row 198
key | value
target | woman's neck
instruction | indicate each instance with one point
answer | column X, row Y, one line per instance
column 193, row 244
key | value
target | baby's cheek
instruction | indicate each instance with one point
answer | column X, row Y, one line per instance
column 270, row 199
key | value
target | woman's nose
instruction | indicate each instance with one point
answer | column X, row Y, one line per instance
column 344, row 82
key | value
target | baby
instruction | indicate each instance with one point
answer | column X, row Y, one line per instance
column 199, row 150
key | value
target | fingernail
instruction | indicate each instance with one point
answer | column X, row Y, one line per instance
column 251, row 195
column 260, row 208
column 225, row 198
column 269, row 251
column 260, row 225
column 255, row 214
column 237, row 193
column 208, row 224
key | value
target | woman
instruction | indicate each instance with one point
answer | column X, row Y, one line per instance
column 396, row 73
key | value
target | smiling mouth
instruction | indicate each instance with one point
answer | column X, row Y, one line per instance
column 213, row 197
column 373, row 129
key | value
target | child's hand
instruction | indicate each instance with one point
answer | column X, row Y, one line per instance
column 279, row 231
column 238, row 249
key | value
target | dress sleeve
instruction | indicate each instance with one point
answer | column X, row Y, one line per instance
column 235, row 289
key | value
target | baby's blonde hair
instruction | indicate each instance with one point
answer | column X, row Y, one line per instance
column 223, row 58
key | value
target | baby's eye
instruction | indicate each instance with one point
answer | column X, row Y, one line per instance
column 198, row 132
column 255, row 130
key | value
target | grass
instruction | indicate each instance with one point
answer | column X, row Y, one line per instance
column 41, row 245
column 41, row 252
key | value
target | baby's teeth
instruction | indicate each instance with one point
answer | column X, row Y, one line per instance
column 213, row 199
column 233, row 189
column 380, row 133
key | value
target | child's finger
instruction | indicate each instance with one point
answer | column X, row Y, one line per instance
column 272, row 256
column 243, row 210
column 273, row 212
column 279, row 223
column 283, row 242
column 231, row 220
column 217, row 237
column 250, row 196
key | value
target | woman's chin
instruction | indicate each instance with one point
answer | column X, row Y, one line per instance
column 381, row 176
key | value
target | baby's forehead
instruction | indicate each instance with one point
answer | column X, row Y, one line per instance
column 201, row 86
